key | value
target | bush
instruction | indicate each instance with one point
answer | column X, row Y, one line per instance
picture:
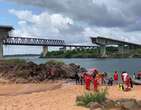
column 54, row 62
column 87, row 98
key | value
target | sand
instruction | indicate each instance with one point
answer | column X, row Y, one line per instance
column 51, row 96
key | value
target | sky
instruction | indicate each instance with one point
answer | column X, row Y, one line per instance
column 71, row 20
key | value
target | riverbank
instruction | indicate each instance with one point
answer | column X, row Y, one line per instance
column 52, row 96
column 112, row 52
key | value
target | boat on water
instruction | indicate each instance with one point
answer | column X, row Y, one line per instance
column 136, row 81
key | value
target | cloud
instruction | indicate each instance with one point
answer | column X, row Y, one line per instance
column 43, row 24
column 79, row 19
column 87, row 11
column 101, row 13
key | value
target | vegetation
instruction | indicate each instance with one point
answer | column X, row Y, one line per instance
column 87, row 98
column 111, row 52
column 84, row 53
column 13, row 61
column 54, row 62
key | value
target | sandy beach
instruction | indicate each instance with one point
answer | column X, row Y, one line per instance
column 51, row 96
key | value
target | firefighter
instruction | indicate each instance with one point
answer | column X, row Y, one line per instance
column 116, row 77
column 87, row 79
column 95, row 83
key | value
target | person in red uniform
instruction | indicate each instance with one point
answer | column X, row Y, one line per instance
column 116, row 77
column 87, row 79
column 95, row 83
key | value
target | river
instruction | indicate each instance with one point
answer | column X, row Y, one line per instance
column 108, row 65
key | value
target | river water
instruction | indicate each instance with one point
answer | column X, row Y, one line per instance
column 108, row 65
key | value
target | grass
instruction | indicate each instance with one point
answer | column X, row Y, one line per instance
column 87, row 98
column 14, row 61
column 54, row 62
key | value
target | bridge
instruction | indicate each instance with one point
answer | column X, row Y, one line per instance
column 123, row 46
column 6, row 39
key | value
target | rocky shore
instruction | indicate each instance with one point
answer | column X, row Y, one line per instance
column 29, row 72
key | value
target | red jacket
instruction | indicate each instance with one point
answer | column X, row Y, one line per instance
column 115, row 76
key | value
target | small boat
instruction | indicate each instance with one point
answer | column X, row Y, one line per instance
column 136, row 81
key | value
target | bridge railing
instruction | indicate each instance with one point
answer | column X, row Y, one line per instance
column 33, row 41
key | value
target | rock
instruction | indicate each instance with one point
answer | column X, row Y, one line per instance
column 31, row 72
column 98, row 109
column 95, row 106
column 108, row 103
column 139, row 103
column 128, row 104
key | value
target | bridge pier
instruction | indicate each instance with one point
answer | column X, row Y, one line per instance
column 45, row 51
column 103, row 51
column 70, row 48
column 1, row 50
column 64, row 48
column 121, row 49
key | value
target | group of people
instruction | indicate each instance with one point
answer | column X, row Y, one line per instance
column 96, row 78
column 124, row 80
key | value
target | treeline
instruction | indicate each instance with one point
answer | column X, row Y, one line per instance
column 111, row 52
column 84, row 53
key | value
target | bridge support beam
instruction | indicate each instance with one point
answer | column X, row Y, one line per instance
column 70, row 48
column 45, row 51
column 103, row 51
column 64, row 48
column 1, row 50
column 121, row 49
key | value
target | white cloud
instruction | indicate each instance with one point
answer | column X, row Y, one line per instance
column 43, row 24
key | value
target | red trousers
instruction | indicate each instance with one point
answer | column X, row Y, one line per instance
column 95, row 85
column 87, row 84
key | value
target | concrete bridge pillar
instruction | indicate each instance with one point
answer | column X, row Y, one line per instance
column 121, row 49
column 64, row 48
column 45, row 51
column 70, row 48
column 1, row 50
column 103, row 51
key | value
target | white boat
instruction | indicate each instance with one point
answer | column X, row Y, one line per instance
column 136, row 81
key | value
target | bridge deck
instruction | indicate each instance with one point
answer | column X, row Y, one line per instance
column 33, row 41
column 108, row 41
column 38, row 42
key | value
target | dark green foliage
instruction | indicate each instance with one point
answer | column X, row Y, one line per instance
column 111, row 52
column 84, row 53
column 87, row 98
